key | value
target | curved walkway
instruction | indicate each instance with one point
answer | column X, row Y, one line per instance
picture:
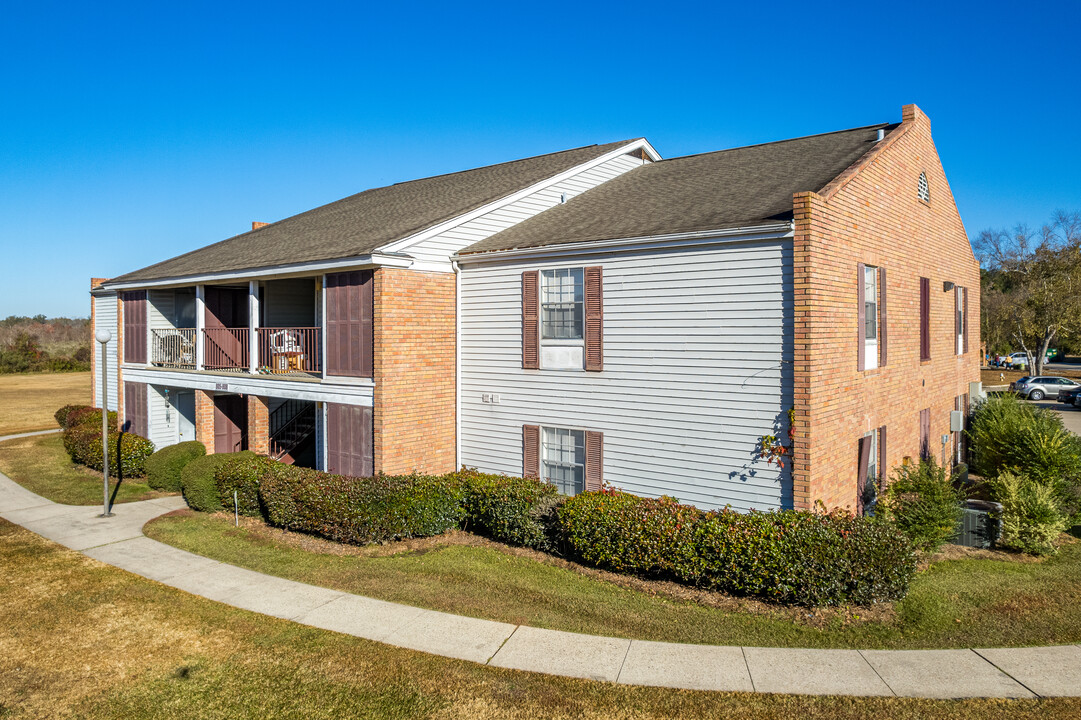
column 119, row 541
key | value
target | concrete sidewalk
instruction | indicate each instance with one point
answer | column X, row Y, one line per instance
column 119, row 541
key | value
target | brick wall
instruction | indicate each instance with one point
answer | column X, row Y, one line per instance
column 258, row 425
column 414, row 373
column 871, row 214
column 204, row 419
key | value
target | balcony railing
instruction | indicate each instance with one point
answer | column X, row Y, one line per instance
column 173, row 347
column 291, row 350
column 225, row 348
column 281, row 350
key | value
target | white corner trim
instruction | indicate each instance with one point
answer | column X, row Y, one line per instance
column 315, row 267
column 772, row 231
column 642, row 143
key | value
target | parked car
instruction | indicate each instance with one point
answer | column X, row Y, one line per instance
column 1068, row 395
column 1037, row 388
column 1020, row 359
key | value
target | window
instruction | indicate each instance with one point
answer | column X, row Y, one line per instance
column 870, row 317
column 925, row 318
column 562, row 304
column 960, row 324
column 563, row 459
column 923, row 191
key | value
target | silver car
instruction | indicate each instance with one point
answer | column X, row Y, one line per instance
column 1037, row 388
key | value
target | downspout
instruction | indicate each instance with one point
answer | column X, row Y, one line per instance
column 457, row 364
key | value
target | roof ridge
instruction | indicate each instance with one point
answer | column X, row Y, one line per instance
column 775, row 142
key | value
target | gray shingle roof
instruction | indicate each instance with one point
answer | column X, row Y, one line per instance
column 741, row 187
column 362, row 223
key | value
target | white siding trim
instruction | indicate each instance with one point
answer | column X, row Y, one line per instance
column 352, row 394
column 105, row 318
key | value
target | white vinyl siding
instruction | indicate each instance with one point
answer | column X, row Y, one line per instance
column 438, row 249
column 161, row 309
column 105, row 319
column 161, row 416
column 697, row 367
column 289, row 303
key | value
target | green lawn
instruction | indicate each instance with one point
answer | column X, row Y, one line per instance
column 41, row 465
column 84, row 640
column 956, row 603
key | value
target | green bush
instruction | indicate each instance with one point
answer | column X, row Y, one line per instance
column 625, row 533
column 241, row 474
column 924, row 504
column 71, row 416
column 163, row 467
column 127, row 452
column 198, row 484
column 360, row 510
column 509, row 509
column 791, row 557
column 1032, row 513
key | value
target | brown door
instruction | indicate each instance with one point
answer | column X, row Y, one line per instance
column 349, row 440
column 230, row 423
column 226, row 323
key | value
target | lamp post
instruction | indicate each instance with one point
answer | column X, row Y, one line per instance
column 103, row 337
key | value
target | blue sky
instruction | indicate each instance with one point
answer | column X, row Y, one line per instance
column 134, row 132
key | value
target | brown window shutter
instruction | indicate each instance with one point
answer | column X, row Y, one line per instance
column 134, row 326
column 594, row 311
column 964, row 310
column 350, row 308
column 861, row 471
column 882, row 323
column 861, row 319
column 349, row 440
column 883, row 470
column 530, row 451
column 594, row 460
column 135, row 409
column 925, row 318
column 530, row 321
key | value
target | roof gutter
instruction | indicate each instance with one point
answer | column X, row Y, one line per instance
column 770, row 231
column 395, row 260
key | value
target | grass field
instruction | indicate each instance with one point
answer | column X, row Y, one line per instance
column 965, row 602
column 40, row 464
column 27, row 402
column 84, row 640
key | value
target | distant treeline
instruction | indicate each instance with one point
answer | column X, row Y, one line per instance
column 41, row 344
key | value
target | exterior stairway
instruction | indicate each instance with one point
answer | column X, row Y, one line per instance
column 292, row 426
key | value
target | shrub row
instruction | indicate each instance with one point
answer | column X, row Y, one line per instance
column 71, row 416
column 360, row 510
column 164, row 467
column 924, row 502
column 514, row 510
column 783, row 556
column 127, row 452
column 198, row 484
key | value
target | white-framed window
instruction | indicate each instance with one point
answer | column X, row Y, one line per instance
column 562, row 319
column 871, row 484
column 923, row 190
column 870, row 317
column 562, row 304
column 563, row 459
column 872, row 461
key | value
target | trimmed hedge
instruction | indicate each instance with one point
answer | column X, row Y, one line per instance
column 359, row 510
column 924, row 504
column 163, row 468
column 513, row 510
column 198, row 484
column 787, row 556
column 127, row 452
column 71, row 416
column 241, row 473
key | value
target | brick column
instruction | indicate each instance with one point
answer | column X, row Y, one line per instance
column 204, row 419
column 258, row 425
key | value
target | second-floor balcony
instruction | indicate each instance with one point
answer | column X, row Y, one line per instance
column 275, row 350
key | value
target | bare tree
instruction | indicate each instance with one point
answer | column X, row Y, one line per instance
column 1032, row 292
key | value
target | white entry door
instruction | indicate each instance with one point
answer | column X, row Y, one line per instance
column 185, row 410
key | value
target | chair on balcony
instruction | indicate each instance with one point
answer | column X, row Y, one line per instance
column 176, row 350
column 287, row 355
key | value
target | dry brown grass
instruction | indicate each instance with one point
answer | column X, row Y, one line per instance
column 83, row 640
column 27, row 402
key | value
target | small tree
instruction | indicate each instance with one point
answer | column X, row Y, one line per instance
column 1032, row 288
